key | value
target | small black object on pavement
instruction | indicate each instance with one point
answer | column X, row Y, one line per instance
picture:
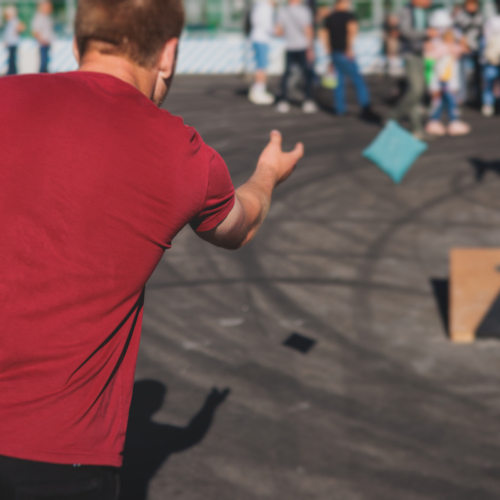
column 299, row 342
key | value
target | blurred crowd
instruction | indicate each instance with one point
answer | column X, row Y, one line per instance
column 42, row 28
column 297, row 22
column 446, row 58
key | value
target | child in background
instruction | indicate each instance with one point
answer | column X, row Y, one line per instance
column 491, row 69
column 444, row 49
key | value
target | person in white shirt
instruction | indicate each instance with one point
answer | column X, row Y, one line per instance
column 295, row 23
column 42, row 27
column 262, row 28
column 13, row 29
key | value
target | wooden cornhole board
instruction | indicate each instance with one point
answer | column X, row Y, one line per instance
column 474, row 293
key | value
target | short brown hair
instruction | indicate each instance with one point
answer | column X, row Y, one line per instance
column 136, row 29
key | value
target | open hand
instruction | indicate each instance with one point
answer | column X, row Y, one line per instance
column 276, row 161
column 217, row 397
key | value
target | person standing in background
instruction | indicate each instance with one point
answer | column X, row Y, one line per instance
column 13, row 29
column 413, row 30
column 391, row 45
column 295, row 23
column 470, row 20
column 491, row 69
column 444, row 50
column 342, row 28
column 42, row 27
column 262, row 28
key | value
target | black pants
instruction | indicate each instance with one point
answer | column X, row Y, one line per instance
column 298, row 57
column 12, row 60
column 27, row 480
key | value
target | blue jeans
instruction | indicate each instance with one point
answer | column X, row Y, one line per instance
column 261, row 55
column 44, row 58
column 490, row 75
column 12, row 60
column 348, row 67
column 447, row 101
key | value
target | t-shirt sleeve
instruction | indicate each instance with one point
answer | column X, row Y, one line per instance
column 308, row 17
column 219, row 199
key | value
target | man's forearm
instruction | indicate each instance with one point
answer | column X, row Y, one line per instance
column 253, row 198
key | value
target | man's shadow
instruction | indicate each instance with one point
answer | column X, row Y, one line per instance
column 149, row 444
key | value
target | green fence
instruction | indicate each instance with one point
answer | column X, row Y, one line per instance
column 225, row 15
column 230, row 14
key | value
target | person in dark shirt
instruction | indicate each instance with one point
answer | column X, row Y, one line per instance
column 342, row 28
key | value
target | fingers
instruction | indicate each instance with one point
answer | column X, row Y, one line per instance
column 293, row 156
column 297, row 153
column 276, row 138
column 299, row 150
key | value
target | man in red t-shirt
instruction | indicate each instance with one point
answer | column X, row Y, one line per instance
column 95, row 182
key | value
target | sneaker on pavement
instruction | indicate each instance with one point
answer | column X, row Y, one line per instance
column 283, row 107
column 487, row 110
column 368, row 115
column 309, row 107
column 435, row 127
column 260, row 97
column 458, row 127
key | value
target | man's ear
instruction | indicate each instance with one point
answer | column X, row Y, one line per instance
column 76, row 52
column 168, row 58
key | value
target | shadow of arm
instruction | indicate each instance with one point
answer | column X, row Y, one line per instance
column 199, row 425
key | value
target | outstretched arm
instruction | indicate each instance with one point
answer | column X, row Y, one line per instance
column 253, row 198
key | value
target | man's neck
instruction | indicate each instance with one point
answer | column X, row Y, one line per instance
column 140, row 78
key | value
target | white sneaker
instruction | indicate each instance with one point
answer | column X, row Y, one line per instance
column 458, row 127
column 260, row 97
column 488, row 110
column 283, row 107
column 309, row 107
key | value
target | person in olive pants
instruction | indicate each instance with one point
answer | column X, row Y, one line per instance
column 409, row 105
column 414, row 30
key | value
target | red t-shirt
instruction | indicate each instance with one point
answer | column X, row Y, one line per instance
column 95, row 181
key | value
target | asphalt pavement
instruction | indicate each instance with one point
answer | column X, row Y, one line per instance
column 368, row 399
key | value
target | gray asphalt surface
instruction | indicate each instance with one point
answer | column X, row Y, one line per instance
column 383, row 407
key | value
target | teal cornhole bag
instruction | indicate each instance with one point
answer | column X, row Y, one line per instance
column 394, row 151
